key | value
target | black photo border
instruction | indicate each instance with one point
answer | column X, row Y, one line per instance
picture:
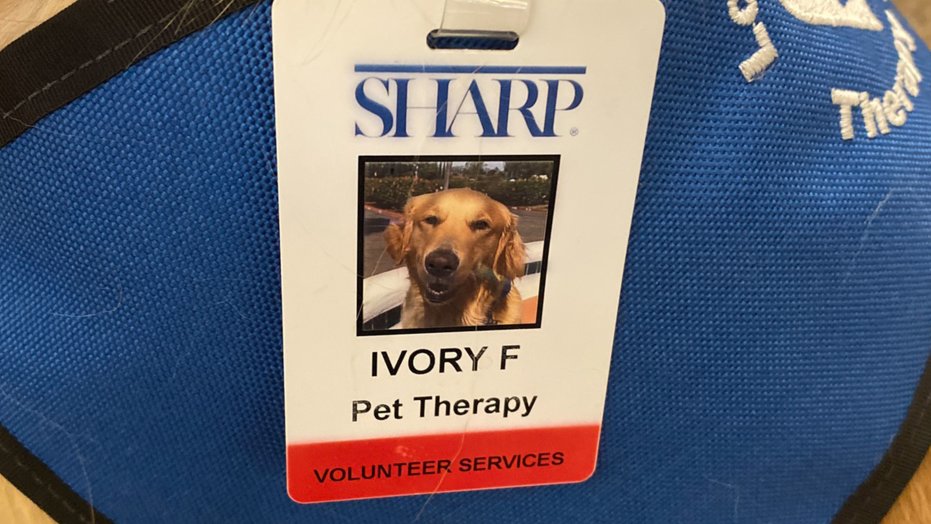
column 360, row 240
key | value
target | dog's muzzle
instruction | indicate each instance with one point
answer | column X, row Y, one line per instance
column 440, row 266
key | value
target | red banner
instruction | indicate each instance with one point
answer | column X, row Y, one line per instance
column 436, row 463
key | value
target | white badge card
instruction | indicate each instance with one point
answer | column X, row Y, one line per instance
column 454, row 209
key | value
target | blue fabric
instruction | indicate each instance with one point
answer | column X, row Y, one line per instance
column 775, row 317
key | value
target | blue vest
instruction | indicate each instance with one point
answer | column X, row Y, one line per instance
column 774, row 322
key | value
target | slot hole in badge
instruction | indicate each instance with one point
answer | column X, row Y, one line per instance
column 475, row 40
column 481, row 25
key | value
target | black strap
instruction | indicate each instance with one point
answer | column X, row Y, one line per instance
column 36, row 481
column 876, row 496
column 86, row 44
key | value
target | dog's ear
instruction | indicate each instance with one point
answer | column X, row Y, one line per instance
column 398, row 235
column 397, row 238
column 511, row 254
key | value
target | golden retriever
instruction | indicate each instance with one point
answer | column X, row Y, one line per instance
column 462, row 251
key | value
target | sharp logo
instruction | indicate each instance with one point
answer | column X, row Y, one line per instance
column 879, row 114
column 481, row 101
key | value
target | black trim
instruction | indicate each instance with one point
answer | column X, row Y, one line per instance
column 86, row 44
column 36, row 481
column 876, row 496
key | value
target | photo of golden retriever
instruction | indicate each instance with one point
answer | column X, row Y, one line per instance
column 453, row 243
column 463, row 252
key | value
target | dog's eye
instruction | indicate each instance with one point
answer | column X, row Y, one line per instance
column 480, row 225
column 432, row 220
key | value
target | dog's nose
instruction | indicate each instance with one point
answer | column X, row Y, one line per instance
column 442, row 263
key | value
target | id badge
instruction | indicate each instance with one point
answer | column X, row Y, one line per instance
column 454, row 220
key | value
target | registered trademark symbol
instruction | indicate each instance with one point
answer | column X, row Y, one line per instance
column 574, row 131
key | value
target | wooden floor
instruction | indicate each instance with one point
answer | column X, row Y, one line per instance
column 918, row 13
column 18, row 509
column 914, row 505
column 18, row 16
